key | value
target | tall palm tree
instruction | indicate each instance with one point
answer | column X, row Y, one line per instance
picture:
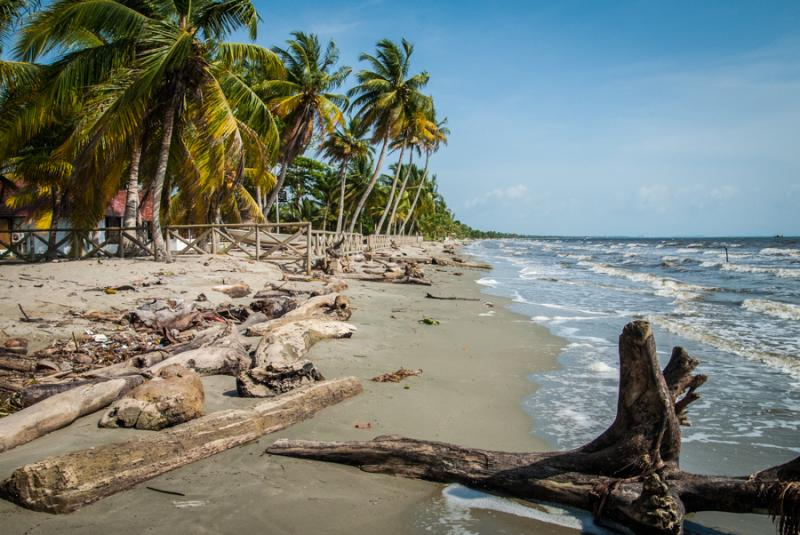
column 178, row 70
column 347, row 143
column 420, row 130
column 440, row 133
column 303, row 99
column 383, row 96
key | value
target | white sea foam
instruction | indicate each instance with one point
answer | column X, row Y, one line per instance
column 776, row 251
column 487, row 282
column 663, row 286
column 727, row 342
column 602, row 368
column 747, row 268
column 461, row 499
column 777, row 309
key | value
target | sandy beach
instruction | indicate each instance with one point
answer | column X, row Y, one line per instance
column 475, row 366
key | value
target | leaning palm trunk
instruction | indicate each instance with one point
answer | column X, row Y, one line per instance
column 397, row 172
column 416, row 197
column 363, row 200
column 132, row 197
column 160, row 247
column 399, row 197
column 55, row 215
column 343, row 182
column 273, row 195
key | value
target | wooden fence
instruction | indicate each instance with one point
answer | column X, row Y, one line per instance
column 289, row 243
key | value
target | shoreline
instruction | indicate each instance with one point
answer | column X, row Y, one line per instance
column 476, row 372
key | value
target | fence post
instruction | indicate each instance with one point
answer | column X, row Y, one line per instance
column 308, row 249
column 214, row 239
column 258, row 242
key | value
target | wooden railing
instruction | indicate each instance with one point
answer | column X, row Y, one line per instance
column 376, row 242
column 291, row 243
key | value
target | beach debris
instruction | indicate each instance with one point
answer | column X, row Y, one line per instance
column 396, row 377
column 164, row 491
column 332, row 306
column 18, row 346
column 174, row 396
column 61, row 410
column 227, row 357
column 234, row 313
column 363, row 425
column 233, row 290
column 65, row 483
column 429, row 321
column 278, row 362
column 165, row 315
column 111, row 290
column 430, row 296
column 274, row 306
column 26, row 318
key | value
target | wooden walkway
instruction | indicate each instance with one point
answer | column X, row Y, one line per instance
column 289, row 243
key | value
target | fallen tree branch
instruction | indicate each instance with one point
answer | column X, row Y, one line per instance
column 429, row 296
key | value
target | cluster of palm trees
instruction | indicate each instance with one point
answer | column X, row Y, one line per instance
column 148, row 95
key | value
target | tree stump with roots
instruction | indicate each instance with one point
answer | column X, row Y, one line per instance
column 630, row 474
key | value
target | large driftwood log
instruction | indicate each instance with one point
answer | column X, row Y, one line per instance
column 61, row 410
column 279, row 364
column 65, row 483
column 333, row 306
column 630, row 474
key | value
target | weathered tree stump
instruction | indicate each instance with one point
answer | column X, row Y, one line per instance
column 630, row 474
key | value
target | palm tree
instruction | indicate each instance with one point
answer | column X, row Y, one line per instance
column 383, row 97
column 347, row 143
column 303, row 100
column 179, row 74
column 439, row 132
column 420, row 130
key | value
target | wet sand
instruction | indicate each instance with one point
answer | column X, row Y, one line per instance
column 476, row 364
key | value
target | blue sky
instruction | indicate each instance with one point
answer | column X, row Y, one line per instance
column 636, row 118
column 598, row 117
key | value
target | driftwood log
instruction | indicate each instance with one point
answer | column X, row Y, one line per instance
column 630, row 474
column 228, row 357
column 333, row 306
column 65, row 483
column 61, row 410
column 279, row 362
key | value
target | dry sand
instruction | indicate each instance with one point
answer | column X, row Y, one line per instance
column 475, row 363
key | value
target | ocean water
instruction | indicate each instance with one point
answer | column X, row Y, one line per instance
column 740, row 317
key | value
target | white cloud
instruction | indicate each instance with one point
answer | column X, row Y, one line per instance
column 511, row 193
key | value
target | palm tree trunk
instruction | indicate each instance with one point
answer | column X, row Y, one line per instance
column 55, row 215
column 416, row 197
column 363, row 200
column 394, row 187
column 161, row 252
column 343, row 181
column 129, row 219
column 402, row 190
column 132, row 198
column 273, row 195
